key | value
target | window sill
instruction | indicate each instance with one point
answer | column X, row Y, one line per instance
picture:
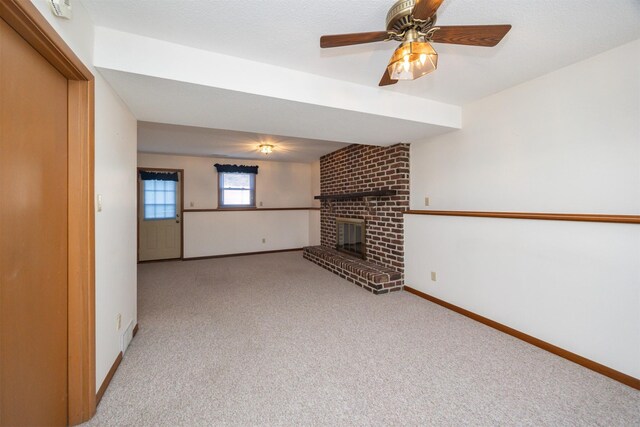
column 236, row 208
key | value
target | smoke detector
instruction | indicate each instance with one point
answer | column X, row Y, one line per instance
column 61, row 8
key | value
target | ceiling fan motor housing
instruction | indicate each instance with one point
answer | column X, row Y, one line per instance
column 399, row 17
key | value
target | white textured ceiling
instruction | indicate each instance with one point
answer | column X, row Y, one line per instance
column 195, row 141
column 256, row 66
column 546, row 35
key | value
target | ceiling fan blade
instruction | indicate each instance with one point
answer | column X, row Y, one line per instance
column 425, row 9
column 386, row 80
column 337, row 40
column 473, row 35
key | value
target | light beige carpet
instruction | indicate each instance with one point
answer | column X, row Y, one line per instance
column 276, row 340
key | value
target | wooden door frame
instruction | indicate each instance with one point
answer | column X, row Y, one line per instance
column 27, row 21
column 181, row 174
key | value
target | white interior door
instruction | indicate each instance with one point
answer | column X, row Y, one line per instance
column 159, row 219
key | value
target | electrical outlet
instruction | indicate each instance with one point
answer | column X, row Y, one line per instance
column 426, row 201
column 118, row 322
column 191, row 204
column 264, row 240
column 433, row 276
column 260, row 203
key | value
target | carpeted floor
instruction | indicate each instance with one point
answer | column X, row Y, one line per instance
column 276, row 340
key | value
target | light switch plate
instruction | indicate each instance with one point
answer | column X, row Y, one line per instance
column 426, row 201
column 433, row 276
column 99, row 203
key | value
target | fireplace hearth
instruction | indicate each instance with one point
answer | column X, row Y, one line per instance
column 351, row 236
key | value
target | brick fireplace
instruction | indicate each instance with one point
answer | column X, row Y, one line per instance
column 368, row 184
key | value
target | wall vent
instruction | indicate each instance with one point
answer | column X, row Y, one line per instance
column 127, row 337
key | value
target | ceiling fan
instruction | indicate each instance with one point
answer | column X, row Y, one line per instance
column 413, row 23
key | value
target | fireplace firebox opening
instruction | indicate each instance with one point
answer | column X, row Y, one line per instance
column 351, row 236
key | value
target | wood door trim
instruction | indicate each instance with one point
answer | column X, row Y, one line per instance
column 621, row 219
column 27, row 21
column 181, row 174
column 82, row 379
column 140, row 168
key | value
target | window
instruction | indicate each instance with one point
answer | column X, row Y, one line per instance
column 237, row 190
column 159, row 199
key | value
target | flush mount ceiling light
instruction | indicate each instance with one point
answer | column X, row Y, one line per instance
column 413, row 23
column 266, row 148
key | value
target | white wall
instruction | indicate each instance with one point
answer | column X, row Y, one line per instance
column 566, row 142
column 221, row 233
column 278, row 185
column 115, row 165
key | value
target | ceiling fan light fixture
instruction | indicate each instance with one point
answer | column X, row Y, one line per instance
column 266, row 148
column 412, row 60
